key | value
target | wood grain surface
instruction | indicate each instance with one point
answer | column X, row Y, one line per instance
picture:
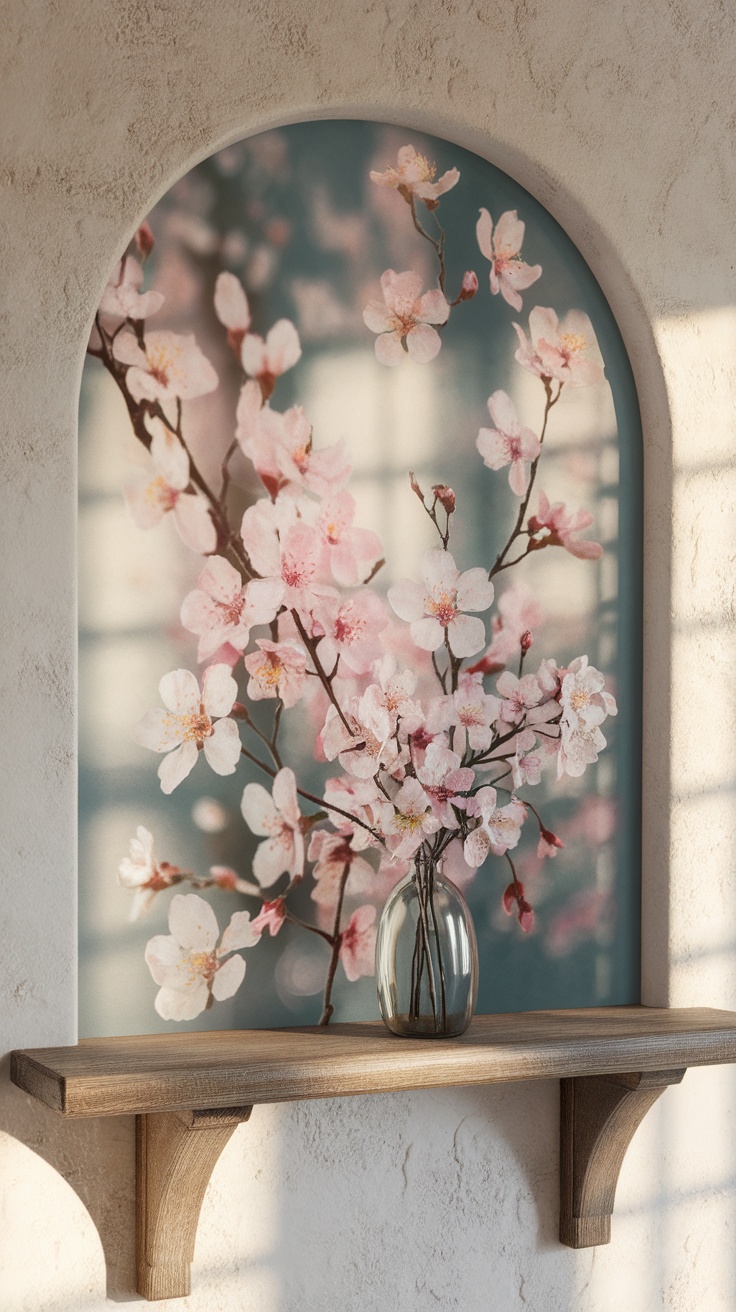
column 170, row 1072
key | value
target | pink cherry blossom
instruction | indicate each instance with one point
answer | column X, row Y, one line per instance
column 221, row 610
column 443, row 778
column 498, row 829
column 435, row 609
column 394, row 691
column 276, row 818
column 268, row 360
column 583, row 697
column 474, row 712
column 332, row 853
column 277, row 669
column 122, row 297
column 166, row 368
column 149, row 500
column 519, row 696
column 577, row 748
column 509, row 274
column 282, row 547
column 404, row 320
column 408, row 819
column 280, row 446
column 567, row 351
column 360, row 798
column 508, row 443
column 415, row 176
column 141, row 871
column 368, row 743
column 187, row 724
column 270, row 917
column 549, row 844
column 526, row 766
column 231, row 308
column 358, row 944
column 352, row 627
column 350, row 553
column 559, row 525
column 188, row 964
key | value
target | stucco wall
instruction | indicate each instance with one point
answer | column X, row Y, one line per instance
column 619, row 117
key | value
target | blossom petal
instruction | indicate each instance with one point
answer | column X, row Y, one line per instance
column 228, row 978
column 422, row 343
column 239, row 934
column 258, row 809
column 466, row 634
column 483, row 231
column 429, row 634
column 407, row 599
column 182, row 1004
column 474, row 590
column 388, row 349
column 432, row 307
column 222, row 748
column 177, row 765
column 219, row 690
column 231, row 303
column 158, row 731
column 283, row 347
column 193, row 923
column 194, row 523
column 179, row 692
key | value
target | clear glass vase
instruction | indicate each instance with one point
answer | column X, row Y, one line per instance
column 426, row 956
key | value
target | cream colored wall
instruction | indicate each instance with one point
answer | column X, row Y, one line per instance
column 619, row 118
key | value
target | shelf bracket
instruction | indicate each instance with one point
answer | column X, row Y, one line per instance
column 598, row 1117
column 175, row 1155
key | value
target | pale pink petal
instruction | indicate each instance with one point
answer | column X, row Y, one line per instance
column 179, row 692
column 158, row 731
column 509, row 234
column 147, row 502
column 474, row 590
column 163, row 958
column 377, row 317
column 258, row 809
column 193, row 923
column 228, row 978
column 177, row 765
column 270, row 861
column 432, row 307
column 127, row 351
column 220, row 579
column 181, row 1004
column 483, row 230
column 476, row 849
column 422, row 343
column 219, row 690
column 520, row 275
column 283, row 348
column 231, row 303
column 407, row 599
column 429, row 634
column 238, row 934
column 466, row 635
column 503, row 412
column 169, row 457
column 493, row 447
column 253, row 354
column 194, row 524
column 503, row 284
column 519, row 477
column 388, row 349
column 284, row 795
column 401, row 290
column 222, row 748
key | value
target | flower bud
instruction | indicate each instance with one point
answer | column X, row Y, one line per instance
column 469, row 286
column 527, row 639
column 415, row 487
column 144, row 240
column 445, row 496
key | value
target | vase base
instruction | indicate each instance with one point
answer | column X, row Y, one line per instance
column 423, row 1027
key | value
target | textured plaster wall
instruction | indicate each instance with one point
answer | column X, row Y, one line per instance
column 619, row 117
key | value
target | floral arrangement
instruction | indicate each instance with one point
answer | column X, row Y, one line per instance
column 431, row 725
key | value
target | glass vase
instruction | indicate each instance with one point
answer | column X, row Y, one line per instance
column 426, row 956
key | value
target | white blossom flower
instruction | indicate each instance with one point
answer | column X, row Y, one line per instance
column 188, row 964
column 187, row 726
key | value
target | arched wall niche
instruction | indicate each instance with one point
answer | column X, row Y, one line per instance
column 590, row 249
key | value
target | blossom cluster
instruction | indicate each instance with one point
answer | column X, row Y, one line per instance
column 427, row 752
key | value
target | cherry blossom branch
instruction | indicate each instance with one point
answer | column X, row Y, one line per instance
column 304, row 924
column 324, row 678
column 438, row 246
column 328, row 1008
column 517, row 529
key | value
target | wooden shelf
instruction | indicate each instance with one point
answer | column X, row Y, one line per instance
column 189, row 1091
